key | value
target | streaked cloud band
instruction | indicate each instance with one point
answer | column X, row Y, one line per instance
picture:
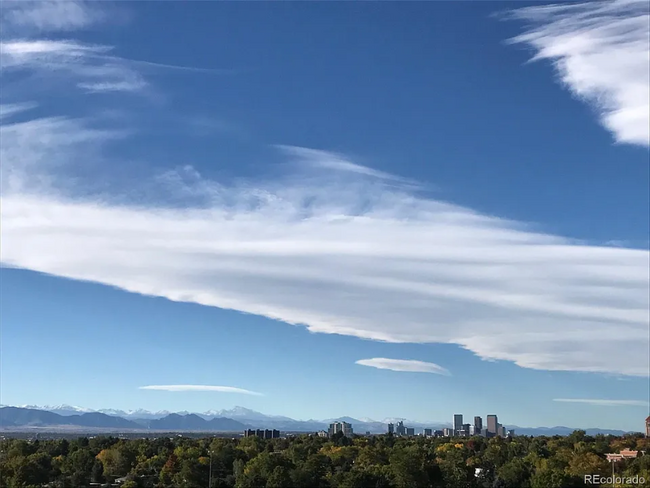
column 210, row 388
column 405, row 365
column 604, row 402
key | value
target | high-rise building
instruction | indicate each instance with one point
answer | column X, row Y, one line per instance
column 465, row 430
column 501, row 431
column 410, row 431
column 447, row 432
column 343, row 427
column 492, row 424
column 391, row 428
column 478, row 424
column 428, row 432
column 400, row 429
column 458, row 423
column 647, row 427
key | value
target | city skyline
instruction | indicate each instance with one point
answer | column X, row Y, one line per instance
column 328, row 209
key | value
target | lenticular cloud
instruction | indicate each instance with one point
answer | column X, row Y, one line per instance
column 351, row 254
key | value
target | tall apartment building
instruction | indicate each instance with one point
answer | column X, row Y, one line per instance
column 400, row 429
column 428, row 432
column 343, row 427
column 478, row 425
column 458, row 423
column 391, row 428
column 410, row 431
column 492, row 424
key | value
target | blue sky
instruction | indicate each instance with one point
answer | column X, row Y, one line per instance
column 364, row 209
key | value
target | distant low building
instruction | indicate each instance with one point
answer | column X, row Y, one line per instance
column 624, row 454
column 510, row 433
column 438, row 433
column 262, row 434
column 447, row 432
column 322, row 433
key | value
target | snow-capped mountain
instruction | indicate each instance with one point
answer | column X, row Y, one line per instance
column 138, row 414
column 242, row 413
column 64, row 410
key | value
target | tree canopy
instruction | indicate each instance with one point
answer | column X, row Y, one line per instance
column 309, row 461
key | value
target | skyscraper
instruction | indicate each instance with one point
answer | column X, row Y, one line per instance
column 458, row 423
column 492, row 424
column 400, row 430
column 391, row 428
column 478, row 424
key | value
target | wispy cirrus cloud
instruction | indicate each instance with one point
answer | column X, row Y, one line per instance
column 337, row 163
column 91, row 67
column 604, row 402
column 601, row 52
column 188, row 388
column 10, row 109
column 405, row 365
column 49, row 15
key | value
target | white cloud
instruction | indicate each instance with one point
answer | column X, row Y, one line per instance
column 605, row 403
column 186, row 388
column 48, row 15
column 91, row 67
column 353, row 256
column 9, row 109
column 407, row 365
column 335, row 162
column 601, row 52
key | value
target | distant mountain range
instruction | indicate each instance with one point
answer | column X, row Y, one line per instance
column 237, row 419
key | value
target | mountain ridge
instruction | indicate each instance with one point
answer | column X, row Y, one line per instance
column 212, row 421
